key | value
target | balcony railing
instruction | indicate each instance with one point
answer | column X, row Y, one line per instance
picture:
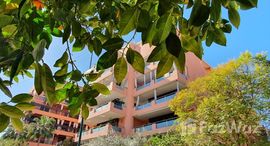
column 165, row 98
column 144, row 128
column 166, row 123
column 97, row 129
column 101, row 108
column 107, row 127
column 143, row 86
column 140, row 107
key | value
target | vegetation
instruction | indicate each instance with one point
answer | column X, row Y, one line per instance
column 41, row 128
column 27, row 28
column 117, row 140
column 172, row 138
column 226, row 106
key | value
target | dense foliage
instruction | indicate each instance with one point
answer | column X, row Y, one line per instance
column 227, row 106
column 40, row 128
column 27, row 28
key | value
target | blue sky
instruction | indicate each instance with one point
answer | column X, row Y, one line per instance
column 253, row 35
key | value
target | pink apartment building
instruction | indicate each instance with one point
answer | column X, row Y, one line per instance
column 140, row 104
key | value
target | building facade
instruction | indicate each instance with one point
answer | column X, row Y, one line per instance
column 66, row 126
column 140, row 104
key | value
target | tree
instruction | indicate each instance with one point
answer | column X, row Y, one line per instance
column 226, row 106
column 27, row 28
column 172, row 138
column 42, row 127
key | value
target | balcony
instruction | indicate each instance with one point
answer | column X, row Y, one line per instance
column 105, row 112
column 156, row 128
column 98, row 131
column 154, row 108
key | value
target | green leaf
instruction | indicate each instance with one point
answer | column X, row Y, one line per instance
column 48, row 84
column 24, row 97
column 56, row 32
column 76, row 75
column 17, row 124
column 136, row 60
column 62, row 71
column 219, row 37
column 234, row 17
column 215, row 10
column 11, row 111
column 144, row 20
column 227, row 28
column 158, row 53
column 101, row 88
column 173, row 44
column 128, row 20
column 180, row 61
column 78, row 46
column 28, row 74
column 93, row 76
column 61, row 95
column 15, row 65
column 120, row 69
column 46, row 36
column 199, row 13
column 24, row 106
column 66, row 34
column 113, row 44
column 149, row 35
column 38, row 51
column 4, row 120
column 107, row 60
column 247, row 4
column 92, row 101
column 97, row 46
column 5, row 20
column 164, row 66
column 85, row 111
column 37, row 80
column 5, row 89
column 191, row 45
column 62, row 60
column 164, row 26
column 76, row 28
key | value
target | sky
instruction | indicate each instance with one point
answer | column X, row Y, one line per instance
column 253, row 35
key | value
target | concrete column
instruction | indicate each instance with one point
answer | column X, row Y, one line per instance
column 155, row 94
column 177, row 86
column 151, row 76
column 138, row 100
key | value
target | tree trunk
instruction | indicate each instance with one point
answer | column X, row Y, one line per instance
column 38, row 141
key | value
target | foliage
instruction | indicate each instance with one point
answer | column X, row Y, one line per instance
column 172, row 138
column 11, row 142
column 41, row 128
column 27, row 28
column 235, row 95
column 117, row 140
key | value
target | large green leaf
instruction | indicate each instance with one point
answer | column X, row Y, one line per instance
column 17, row 124
column 24, row 106
column 136, row 60
column 215, row 10
column 48, row 84
column 66, row 34
column 61, row 95
column 107, row 60
column 180, row 61
column 76, row 28
column 97, row 47
column 128, row 21
column 62, row 71
column 24, row 97
column 76, row 75
column 113, row 44
column 38, row 51
column 149, row 35
column 15, row 65
column 158, row 53
column 190, row 44
column 5, row 89
column 5, row 20
column 4, row 120
column 11, row 111
column 101, row 88
column 164, row 66
column 234, row 17
column 85, row 111
column 37, row 80
column 120, row 69
column 199, row 13
column 247, row 4
column 173, row 44
column 78, row 46
column 164, row 26
column 62, row 60
column 219, row 37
